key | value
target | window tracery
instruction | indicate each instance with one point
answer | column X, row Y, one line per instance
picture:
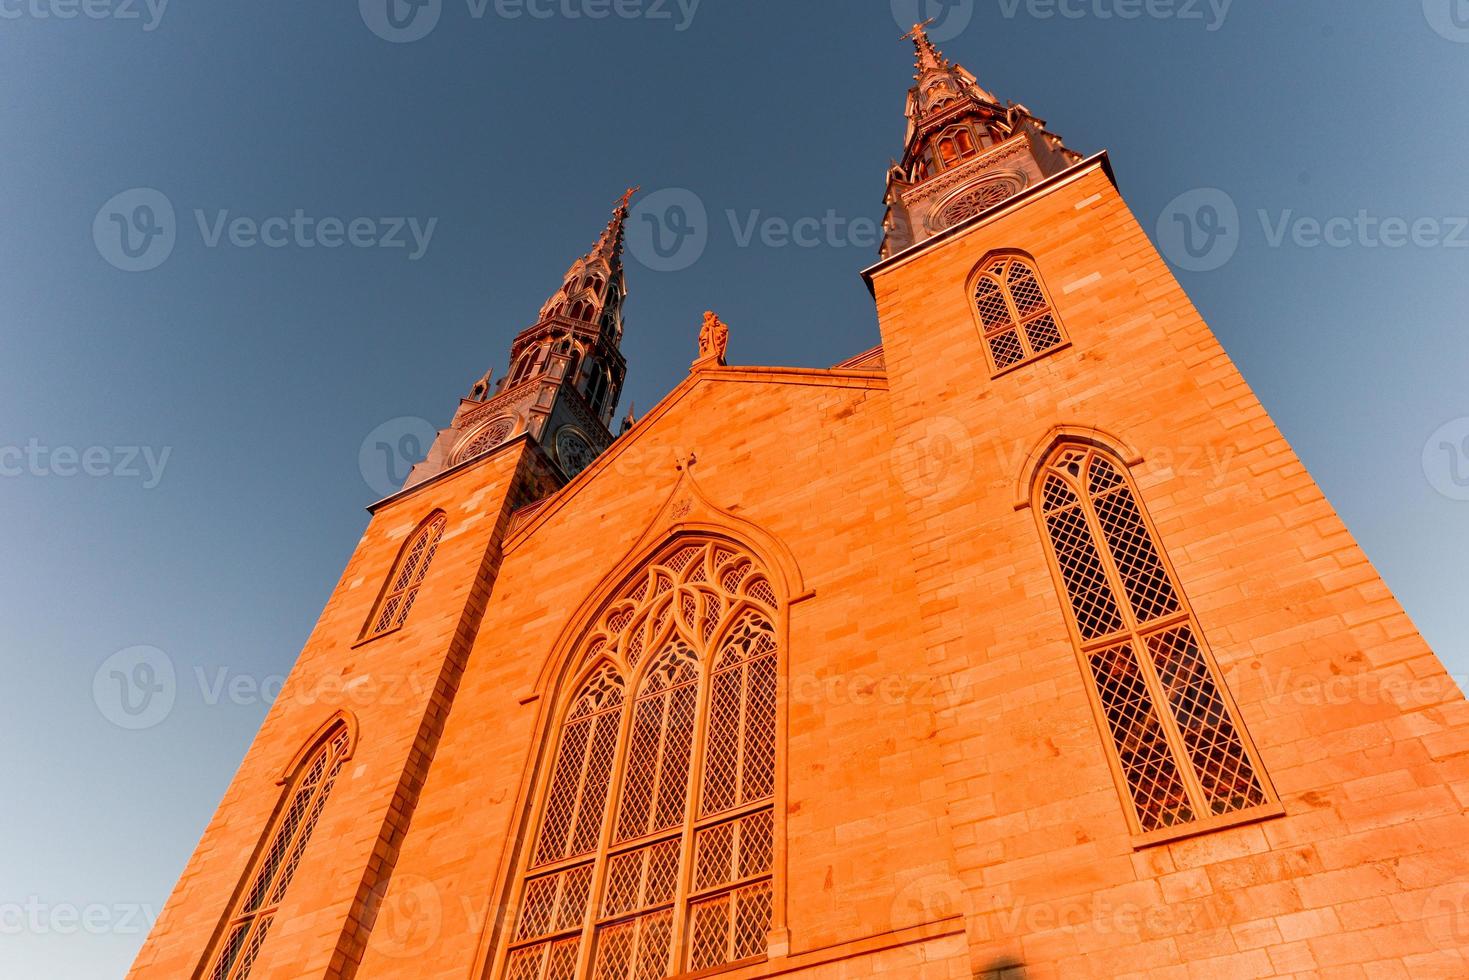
column 251, row 920
column 1172, row 732
column 1016, row 315
column 665, row 863
column 407, row 576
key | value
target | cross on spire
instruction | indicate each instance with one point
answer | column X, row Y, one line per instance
column 929, row 58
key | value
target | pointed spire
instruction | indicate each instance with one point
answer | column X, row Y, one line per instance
column 928, row 57
column 953, row 81
column 609, row 246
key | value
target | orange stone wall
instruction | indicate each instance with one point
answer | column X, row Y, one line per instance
column 945, row 808
column 1362, row 732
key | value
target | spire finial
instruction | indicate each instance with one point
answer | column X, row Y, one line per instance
column 928, row 57
column 610, row 244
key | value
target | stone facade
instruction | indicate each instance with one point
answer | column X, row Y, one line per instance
column 946, row 799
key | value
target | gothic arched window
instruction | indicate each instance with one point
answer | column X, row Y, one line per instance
column 407, row 576
column 956, row 144
column 1016, row 315
column 270, row 875
column 522, row 367
column 1173, row 736
column 654, row 843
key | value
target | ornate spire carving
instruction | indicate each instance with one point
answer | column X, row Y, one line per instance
column 960, row 137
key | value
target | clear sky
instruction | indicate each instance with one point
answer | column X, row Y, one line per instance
column 181, row 445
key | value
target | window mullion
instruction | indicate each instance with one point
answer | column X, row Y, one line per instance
column 693, row 803
column 596, row 891
column 1137, row 638
column 655, row 787
column 1016, row 320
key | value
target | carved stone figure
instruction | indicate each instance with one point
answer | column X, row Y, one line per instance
column 713, row 338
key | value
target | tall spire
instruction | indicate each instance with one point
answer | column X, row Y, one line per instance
column 956, row 130
column 609, row 245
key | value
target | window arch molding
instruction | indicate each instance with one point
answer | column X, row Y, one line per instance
column 410, row 569
column 306, row 784
column 1014, row 310
column 1029, row 474
column 645, row 671
column 778, row 560
column 1180, row 754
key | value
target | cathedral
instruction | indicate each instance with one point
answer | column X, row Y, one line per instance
column 1066, row 669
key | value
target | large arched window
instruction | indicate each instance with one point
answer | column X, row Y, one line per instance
column 407, row 576
column 654, row 843
column 1016, row 316
column 252, row 916
column 1177, row 749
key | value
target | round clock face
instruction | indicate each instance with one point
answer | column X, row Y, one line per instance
column 573, row 451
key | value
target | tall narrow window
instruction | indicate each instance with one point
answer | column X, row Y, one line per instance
column 250, row 921
column 1015, row 314
column 1173, row 734
column 408, row 575
column 654, row 852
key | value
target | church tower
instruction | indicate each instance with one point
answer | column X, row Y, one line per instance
column 565, row 375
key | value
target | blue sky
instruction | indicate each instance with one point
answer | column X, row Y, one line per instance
column 181, row 446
